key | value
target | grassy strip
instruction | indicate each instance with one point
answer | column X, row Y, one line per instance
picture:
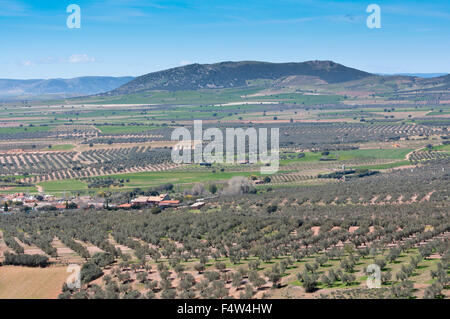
column 384, row 166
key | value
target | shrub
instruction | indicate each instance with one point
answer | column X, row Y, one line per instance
column 155, row 210
column 90, row 271
column 102, row 259
column 26, row 260
column 272, row 208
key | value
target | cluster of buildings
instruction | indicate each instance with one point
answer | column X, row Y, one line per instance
column 21, row 201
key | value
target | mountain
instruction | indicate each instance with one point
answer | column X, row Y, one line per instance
column 17, row 89
column 238, row 74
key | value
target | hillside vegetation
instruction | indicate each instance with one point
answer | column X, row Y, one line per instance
column 236, row 74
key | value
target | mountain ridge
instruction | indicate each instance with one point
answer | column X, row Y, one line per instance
column 236, row 74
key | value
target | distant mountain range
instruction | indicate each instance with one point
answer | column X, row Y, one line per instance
column 59, row 88
column 238, row 74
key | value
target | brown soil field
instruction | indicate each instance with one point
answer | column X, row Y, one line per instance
column 65, row 254
column 31, row 283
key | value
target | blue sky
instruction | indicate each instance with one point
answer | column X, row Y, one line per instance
column 130, row 37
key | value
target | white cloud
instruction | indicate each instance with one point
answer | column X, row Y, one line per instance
column 185, row 62
column 47, row 60
column 27, row 63
column 73, row 59
column 80, row 58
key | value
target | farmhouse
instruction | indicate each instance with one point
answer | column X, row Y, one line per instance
column 140, row 201
column 169, row 203
column 198, row 205
column 158, row 199
column 149, row 200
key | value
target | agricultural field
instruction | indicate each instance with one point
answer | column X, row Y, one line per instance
column 31, row 283
column 362, row 181
column 252, row 246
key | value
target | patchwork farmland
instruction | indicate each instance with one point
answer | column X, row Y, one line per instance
column 362, row 182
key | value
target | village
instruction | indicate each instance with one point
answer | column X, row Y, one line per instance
column 22, row 202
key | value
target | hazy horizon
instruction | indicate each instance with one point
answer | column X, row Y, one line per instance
column 418, row 74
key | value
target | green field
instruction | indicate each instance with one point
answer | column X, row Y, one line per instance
column 445, row 148
column 63, row 186
column 116, row 129
column 384, row 166
column 438, row 113
column 396, row 153
column 62, row 147
column 20, row 189
column 27, row 129
column 309, row 157
column 177, row 177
